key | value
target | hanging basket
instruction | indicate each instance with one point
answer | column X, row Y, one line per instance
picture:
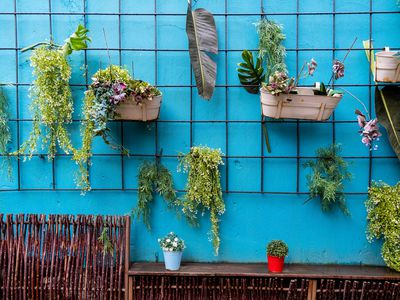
column 305, row 106
column 387, row 67
column 148, row 110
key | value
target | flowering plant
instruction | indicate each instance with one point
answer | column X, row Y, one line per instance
column 369, row 130
column 172, row 243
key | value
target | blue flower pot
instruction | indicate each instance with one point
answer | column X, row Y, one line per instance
column 172, row 260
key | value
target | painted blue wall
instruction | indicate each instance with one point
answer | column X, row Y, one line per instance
column 251, row 220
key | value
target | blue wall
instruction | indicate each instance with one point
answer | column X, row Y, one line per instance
column 251, row 219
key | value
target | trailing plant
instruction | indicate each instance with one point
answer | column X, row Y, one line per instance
column 5, row 133
column 326, row 183
column 104, row 239
column 251, row 74
column 52, row 105
column 172, row 243
column 277, row 248
column 383, row 215
column 110, row 87
column 153, row 178
column 271, row 49
column 203, row 187
column 203, row 42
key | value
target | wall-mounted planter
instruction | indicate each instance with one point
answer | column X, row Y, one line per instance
column 148, row 110
column 387, row 66
column 305, row 105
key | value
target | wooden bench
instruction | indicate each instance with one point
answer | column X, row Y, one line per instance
column 252, row 281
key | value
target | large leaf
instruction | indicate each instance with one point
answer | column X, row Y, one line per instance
column 202, row 34
column 251, row 74
column 387, row 107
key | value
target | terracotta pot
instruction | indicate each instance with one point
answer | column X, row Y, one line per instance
column 275, row 264
column 306, row 106
column 387, row 67
column 148, row 110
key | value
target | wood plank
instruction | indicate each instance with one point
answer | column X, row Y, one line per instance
column 261, row 270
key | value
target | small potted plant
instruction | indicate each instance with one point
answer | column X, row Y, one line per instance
column 172, row 247
column 276, row 252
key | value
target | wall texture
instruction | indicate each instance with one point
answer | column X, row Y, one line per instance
column 264, row 192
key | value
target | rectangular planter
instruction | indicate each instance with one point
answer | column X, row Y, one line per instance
column 387, row 67
column 295, row 106
column 148, row 110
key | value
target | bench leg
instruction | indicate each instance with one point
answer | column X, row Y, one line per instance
column 312, row 290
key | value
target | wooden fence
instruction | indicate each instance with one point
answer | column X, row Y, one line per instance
column 63, row 257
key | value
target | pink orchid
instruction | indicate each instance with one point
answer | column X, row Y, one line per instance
column 369, row 130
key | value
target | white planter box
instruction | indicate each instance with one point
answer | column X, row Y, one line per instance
column 387, row 67
column 147, row 111
column 294, row 106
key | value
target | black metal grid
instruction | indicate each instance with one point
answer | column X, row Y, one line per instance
column 192, row 86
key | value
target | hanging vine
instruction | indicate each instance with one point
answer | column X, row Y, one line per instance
column 203, row 187
column 5, row 133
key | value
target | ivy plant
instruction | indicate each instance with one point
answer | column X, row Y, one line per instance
column 383, row 215
column 5, row 133
column 326, row 182
column 52, row 105
column 203, row 187
column 153, row 178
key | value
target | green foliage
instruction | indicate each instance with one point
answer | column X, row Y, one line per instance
column 329, row 171
column 172, row 243
column 77, row 41
column 5, row 133
column 104, row 239
column 251, row 74
column 203, row 187
column 383, row 215
column 52, row 105
column 270, row 46
column 153, row 178
column 277, row 248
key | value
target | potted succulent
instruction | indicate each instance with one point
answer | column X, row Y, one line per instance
column 276, row 252
column 172, row 247
column 113, row 95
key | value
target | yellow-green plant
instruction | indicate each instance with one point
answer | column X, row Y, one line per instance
column 383, row 215
column 5, row 133
column 52, row 104
column 203, row 187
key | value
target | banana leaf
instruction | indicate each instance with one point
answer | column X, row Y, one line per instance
column 251, row 74
column 202, row 35
column 387, row 107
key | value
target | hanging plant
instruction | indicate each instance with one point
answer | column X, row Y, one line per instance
column 387, row 108
column 383, row 215
column 203, row 187
column 251, row 74
column 326, row 182
column 203, row 41
column 111, row 88
column 270, row 46
column 52, row 105
column 153, row 178
column 5, row 133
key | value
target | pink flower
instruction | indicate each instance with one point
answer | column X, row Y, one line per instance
column 312, row 65
column 369, row 130
column 338, row 69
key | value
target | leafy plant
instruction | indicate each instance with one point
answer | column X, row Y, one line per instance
column 153, row 178
column 110, row 87
column 52, row 105
column 329, row 171
column 77, row 41
column 251, row 74
column 383, row 215
column 104, row 239
column 277, row 248
column 203, row 187
column 5, row 133
column 202, row 35
column 271, row 49
column 387, row 107
column 172, row 243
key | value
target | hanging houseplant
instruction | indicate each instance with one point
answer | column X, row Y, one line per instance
column 282, row 98
column 113, row 95
column 203, row 41
column 5, row 133
column 203, row 187
column 52, row 104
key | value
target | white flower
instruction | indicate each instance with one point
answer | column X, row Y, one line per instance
column 171, row 249
column 176, row 239
column 171, row 232
column 168, row 240
column 159, row 240
column 175, row 244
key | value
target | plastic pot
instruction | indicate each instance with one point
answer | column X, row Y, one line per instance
column 275, row 264
column 172, row 260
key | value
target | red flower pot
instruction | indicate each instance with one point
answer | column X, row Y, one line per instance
column 275, row 264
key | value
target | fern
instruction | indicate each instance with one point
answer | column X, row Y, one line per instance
column 326, row 181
